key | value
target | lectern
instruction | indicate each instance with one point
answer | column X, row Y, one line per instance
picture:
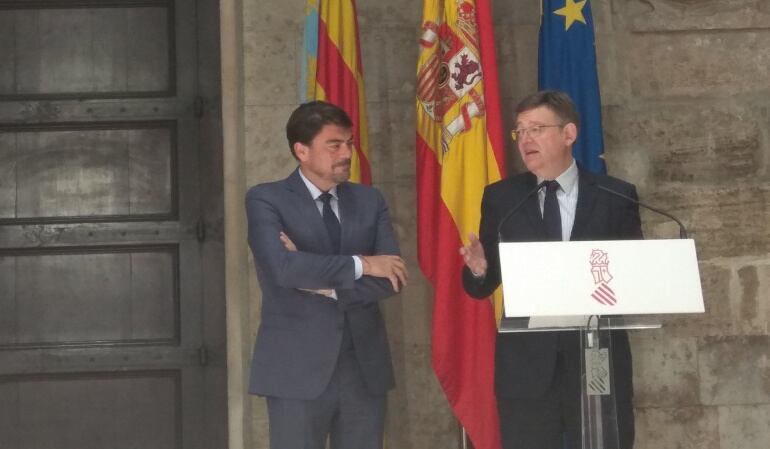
column 594, row 287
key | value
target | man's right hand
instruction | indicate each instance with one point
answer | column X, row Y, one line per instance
column 473, row 255
column 391, row 267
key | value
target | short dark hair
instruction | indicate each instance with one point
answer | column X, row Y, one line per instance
column 558, row 102
column 309, row 118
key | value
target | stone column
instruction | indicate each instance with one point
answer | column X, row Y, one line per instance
column 236, row 258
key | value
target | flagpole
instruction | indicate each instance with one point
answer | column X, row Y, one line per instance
column 466, row 441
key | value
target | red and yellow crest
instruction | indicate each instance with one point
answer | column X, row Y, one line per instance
column 449, row 74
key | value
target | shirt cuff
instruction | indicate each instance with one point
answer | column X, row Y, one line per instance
column 359, row 268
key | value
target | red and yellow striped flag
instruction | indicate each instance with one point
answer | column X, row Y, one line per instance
column 459, row 151
column 333, row 70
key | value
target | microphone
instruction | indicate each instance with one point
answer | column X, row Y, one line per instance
column 682, row 229
column 514, row 209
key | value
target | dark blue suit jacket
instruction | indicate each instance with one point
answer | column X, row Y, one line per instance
column 525, row 363
column 300, row 333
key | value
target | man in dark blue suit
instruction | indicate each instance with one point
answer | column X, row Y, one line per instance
column 537, row 375
column 325, row 255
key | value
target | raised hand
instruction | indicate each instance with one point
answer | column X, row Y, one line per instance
column 473, row 256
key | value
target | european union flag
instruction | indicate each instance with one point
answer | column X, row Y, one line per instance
column 567, row 62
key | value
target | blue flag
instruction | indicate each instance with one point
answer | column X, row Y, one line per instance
column 567, row 62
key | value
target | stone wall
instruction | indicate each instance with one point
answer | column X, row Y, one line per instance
column 685, row 88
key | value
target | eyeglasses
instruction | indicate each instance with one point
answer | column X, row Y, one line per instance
column 533, row 131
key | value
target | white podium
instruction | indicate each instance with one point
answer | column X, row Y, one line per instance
column 595, row 287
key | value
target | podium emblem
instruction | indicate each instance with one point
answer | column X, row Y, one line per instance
column 600, row 271
column 597, row 371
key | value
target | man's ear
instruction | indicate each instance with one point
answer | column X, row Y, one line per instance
column 570, row 133
column 301, row 151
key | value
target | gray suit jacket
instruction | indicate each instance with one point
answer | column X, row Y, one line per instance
column 300, row 333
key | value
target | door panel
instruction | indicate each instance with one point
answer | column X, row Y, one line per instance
column 103, row 238
column 116, row 404
column 118, row 170
column 87, row 52
column 99, row 296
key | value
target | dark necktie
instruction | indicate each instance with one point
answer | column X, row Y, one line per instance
column 331, row 221
column 551, row 214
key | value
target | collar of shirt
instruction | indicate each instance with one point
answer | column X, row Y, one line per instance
column 315, row 192
column 568, row 180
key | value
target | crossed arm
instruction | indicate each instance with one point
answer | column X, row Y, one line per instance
column 287, row 264
column 386, row 266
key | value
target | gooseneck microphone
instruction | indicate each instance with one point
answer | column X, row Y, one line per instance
column 682, row 229
column 514, row 209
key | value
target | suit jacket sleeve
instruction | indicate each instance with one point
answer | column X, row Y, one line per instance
column 290, row 269
column 370, row 289
column 481, row 288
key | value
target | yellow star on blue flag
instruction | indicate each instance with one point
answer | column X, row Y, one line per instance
column 567, row 62
column 572, row 12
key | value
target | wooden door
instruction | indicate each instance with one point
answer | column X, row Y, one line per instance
column 111, row 297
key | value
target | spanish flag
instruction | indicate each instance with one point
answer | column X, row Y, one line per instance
column 332, row 70
column 459, row 151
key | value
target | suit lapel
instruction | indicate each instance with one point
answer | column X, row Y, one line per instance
column 532, row 206
column 585, row 203
column 308, row 208
column 345, row 201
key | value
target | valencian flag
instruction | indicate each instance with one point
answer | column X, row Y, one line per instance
column 332, row 71
column 568, row 63
column 459, row 152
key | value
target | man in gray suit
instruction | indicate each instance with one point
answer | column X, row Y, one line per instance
column 325, row 255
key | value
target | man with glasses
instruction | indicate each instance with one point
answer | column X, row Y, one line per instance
column 537, row 378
